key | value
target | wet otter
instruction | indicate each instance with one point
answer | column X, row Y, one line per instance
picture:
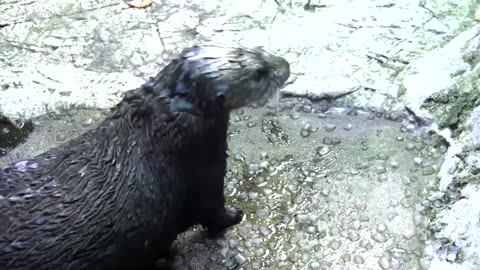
column 117, row 196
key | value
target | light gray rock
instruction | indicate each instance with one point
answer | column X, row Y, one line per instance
column 459, row 226
column 341, row 47
column 33, row 91
column 447, row 79
column 336, row 47
column 475, row 123
column 437, row 72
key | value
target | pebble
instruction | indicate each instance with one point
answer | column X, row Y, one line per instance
column 358, row 259
column 379, row 238
column 334, row 244
column 353, row 236
column 355, row 225
column 240, row 259
column 304, row 133
column 381, row 228
column 384, row 263
column 233, row 243
column 315, row 265
column 428, row 171
column 330, row 128
column 302, row 219
column 323, row 150
column 394, row 164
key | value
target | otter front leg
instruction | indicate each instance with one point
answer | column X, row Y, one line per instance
column 209, row 207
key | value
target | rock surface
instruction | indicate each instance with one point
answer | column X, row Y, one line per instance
column 455, row 68
column 422, row 56
column 450, row 102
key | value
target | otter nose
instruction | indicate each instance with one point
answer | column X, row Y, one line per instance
column 285, row 66
column 282, row 70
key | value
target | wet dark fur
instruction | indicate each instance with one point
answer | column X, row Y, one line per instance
column 117, row 196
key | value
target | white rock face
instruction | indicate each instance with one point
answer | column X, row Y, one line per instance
column 34, row 91
column 336, row 47
column 340, row 48
column 437, row 71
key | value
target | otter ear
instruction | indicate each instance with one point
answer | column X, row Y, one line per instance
column 260, row 74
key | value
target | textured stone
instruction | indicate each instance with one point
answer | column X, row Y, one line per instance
column 447, row 65
column 41, row 89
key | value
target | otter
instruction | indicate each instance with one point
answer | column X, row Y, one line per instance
column 117, row 196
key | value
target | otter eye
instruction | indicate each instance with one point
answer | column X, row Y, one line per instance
column 260, row 74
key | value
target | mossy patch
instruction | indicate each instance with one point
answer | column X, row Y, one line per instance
column 454, row 107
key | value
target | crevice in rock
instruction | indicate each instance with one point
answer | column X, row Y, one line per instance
column 11, row 136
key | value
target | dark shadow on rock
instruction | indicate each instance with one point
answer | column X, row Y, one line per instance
column 11, row 136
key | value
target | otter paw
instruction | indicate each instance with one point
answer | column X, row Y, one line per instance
column 231, row 216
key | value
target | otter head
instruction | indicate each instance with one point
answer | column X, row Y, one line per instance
column 205, row 76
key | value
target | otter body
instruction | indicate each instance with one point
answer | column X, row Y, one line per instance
column 117, row 196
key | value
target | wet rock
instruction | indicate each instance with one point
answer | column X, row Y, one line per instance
column 459, row 225
column 42, row 90
column 454, row 89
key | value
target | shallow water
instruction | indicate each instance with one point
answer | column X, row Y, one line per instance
column 331, row 190
column 341, row 197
